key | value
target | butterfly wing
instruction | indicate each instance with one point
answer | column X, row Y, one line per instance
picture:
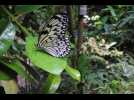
column 53, row 39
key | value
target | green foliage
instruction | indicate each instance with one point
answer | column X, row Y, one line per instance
column 19, row 44
column 3, row 23
column 50, row 64
column 23, row 9
column 17, row 67
column 103, row 72
column 105, row 78
column 4, row 76
column 106, row 60
column 43, row 60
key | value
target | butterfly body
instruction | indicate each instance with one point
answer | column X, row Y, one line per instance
column 53, row 39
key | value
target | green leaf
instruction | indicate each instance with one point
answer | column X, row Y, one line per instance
column 124, row 21
column 7, row 37
column 23, row 9
column 4, row 76
column 75, row 74
column 113, row 12
column 17, row 67
column 83, row 65
column 3, row 23
column 115, row 83
column 43, row 60
column 52, row 83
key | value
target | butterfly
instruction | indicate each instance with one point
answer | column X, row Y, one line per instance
column 53, row 39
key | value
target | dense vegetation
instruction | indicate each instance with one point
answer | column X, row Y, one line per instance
column 101, row 59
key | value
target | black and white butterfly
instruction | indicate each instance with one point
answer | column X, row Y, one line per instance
column 53, row 39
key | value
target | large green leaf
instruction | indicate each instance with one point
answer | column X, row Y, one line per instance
column 7, row 37
column 52, row 83
column 43, row 60
column 23, row 9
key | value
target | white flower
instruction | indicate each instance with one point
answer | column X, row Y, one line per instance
column 95, row 17
column 87, row 17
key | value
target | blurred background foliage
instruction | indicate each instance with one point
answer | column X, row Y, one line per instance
column 106, row 54
column 105, row 63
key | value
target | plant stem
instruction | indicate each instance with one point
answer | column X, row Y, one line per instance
column 82, row 12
